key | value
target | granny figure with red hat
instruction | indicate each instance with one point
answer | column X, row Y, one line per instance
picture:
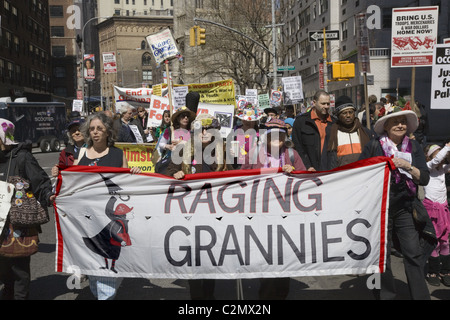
column 109, row 241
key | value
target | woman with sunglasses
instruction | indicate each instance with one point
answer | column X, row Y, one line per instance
column 206, row 129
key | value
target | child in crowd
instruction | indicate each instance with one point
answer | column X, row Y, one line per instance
column 437, row 206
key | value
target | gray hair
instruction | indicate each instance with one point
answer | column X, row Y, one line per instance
column 107, row 122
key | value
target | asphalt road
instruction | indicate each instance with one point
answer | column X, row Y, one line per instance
column 48, row 285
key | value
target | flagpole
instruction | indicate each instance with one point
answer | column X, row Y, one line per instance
column 169, row 86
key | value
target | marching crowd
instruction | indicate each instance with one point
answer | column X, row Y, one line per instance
column 318, row 139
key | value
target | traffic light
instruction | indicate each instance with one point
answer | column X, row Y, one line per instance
column 192, row 36
column 342, row 70
column 201, row 36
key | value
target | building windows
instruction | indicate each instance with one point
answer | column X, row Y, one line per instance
column 147, row 76
column 58, row 51
column 146, row 59
column 56, row 11
column 57, row 31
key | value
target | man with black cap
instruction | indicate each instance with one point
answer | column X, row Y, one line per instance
column 347, row 137
column 311, row 131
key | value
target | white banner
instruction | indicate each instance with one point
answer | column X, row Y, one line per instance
column 440, row 81
column 133, row 97
column 228, row 225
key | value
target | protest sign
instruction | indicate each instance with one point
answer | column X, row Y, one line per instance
column 77, row 105
column 6, row 192
column 293, row 90
column 219, row 92
column 137, row 97
column 222, row 112
column 223, row 225
column 157, row 107
column 138, row 155
column 440, row 82
column 414, row 35
column 252, row 96
column 163, row 46
column 275, row 98
column 264, row 101
column 179, row 96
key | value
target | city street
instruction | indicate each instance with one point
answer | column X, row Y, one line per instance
column 48, row 285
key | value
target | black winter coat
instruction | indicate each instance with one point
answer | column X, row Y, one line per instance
column 25, row 165
column 306, row 138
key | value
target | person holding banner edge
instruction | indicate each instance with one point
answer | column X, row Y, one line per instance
column 206, row 129
column 312, row 129
column 409, row 227
column 274, row 154
column 100, row 137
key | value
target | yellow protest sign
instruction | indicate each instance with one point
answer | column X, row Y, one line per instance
column 138, row 155
column 219, row 92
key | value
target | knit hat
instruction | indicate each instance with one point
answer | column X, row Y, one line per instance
column 289, row 121
column 7, row 132
column 275, row 124
column 342, row 103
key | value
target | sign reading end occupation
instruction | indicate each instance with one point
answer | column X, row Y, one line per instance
column 440, row 95
column 414, row 35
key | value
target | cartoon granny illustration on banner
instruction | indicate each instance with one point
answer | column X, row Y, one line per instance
column 109, row 241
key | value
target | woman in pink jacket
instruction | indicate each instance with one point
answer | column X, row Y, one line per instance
column 273, row 153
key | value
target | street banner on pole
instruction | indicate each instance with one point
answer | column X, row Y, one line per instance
column 109, row 62
column 89, row 67
column 440, row 82
column 223, row 225
column 414, row 35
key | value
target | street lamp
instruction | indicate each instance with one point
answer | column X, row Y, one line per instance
column 82, row 56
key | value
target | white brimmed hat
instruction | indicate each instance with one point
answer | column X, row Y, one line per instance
column 411, row 118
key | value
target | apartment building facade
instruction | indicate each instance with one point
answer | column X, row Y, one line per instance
column 25, row 53
column 126, row 38
column 133, row 8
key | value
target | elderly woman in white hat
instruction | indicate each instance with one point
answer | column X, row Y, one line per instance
column 411, row 171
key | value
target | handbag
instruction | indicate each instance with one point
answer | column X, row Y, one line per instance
column 19, row 243
column 25, row 211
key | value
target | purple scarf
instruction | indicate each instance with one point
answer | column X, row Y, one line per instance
column 389, row 149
